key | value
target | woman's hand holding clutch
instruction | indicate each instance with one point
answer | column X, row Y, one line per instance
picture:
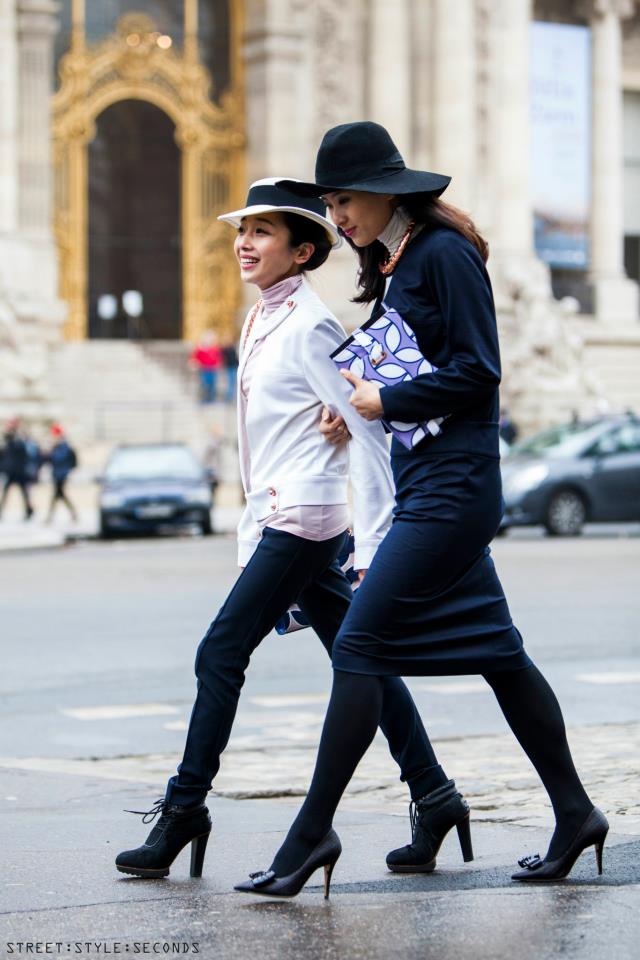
column 365, row 397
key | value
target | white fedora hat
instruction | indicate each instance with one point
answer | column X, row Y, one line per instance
column 265, row 197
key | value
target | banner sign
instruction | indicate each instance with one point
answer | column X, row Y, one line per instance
column 561, row 142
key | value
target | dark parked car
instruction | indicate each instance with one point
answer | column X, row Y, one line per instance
column 574, row 473
column 153, row 485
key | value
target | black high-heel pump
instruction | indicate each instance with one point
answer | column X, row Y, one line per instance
column 593, row 832
column 267, row 884
column 177, row 826
column 431, row 819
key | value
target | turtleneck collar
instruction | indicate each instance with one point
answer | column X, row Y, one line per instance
column 395, row 230
column 273, row 297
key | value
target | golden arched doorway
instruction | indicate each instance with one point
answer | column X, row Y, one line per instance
column 134, row 234
column 135, row 64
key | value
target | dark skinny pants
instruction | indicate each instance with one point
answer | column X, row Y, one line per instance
column 283, row 570
column 60, row 493
column 21, row 482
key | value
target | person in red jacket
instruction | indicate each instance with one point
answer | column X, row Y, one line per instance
column 207, row 359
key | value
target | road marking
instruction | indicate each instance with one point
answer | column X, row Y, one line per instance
column 289, row 700
column 102, row 769
column 453, row 689
column 609, row 677
column 175, row 725
column 121, row 712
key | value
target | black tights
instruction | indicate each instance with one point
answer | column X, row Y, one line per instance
column 530, row 707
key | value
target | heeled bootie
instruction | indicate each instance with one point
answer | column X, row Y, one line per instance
column 267, row 884
column 592, row 833
column 177, row 826
column 431, row 819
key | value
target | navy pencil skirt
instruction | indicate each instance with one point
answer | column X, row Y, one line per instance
column 431, row 603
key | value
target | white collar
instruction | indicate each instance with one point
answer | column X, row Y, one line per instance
column 266, row 325
column 395, row 230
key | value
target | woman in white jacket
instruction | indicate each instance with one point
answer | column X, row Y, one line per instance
column 293, row 528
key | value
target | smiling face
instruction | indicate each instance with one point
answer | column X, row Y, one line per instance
column 264, row 252
column 360, row 215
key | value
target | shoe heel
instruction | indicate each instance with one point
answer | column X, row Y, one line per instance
column 198, row 849
column 464, row 836
column 599, row 845
column 328, row 870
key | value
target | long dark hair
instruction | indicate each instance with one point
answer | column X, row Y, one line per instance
column 425, row 209
column 304, row 230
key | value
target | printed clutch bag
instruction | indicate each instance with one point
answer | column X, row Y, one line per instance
column 386, row 350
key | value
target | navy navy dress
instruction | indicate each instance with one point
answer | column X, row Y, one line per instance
column 431, row 602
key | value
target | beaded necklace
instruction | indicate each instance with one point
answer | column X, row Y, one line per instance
column 252, row 317
column 388, row 266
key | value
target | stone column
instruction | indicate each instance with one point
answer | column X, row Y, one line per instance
column 339, row 50
column 8, row 117
column 29, row 308
column 389, row 93
column 336, row 35
column 422, row 58
column 274, row 51
column 615, row 296
column 454, row 99
column 37, row 25
column 508, row 129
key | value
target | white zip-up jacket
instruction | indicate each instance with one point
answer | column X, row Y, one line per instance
column 284, row 459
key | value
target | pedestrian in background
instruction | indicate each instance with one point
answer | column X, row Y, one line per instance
column 35, row 459
column 15, row 465
column 212, row 460
column 206, row 359
column 431, row 603
column 230, row 358
column 62, row 458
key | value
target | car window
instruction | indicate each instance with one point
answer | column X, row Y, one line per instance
column 626, row 439
column 565, row 440
column 148, row 463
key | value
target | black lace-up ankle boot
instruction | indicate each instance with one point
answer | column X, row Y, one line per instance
column 431, row 819
column 177, row 826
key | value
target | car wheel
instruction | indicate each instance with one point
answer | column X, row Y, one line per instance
column 566, row 514
column 206, row 525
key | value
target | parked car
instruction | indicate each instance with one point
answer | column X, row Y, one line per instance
column 575, row 473
column 152, row 485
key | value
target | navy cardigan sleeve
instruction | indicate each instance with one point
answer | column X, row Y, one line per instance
column 458, row 284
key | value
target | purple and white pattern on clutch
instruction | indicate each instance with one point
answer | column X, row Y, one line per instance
column 385, row 350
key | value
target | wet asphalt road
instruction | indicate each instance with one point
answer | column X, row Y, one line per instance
column 110, row 625
column 97, row 650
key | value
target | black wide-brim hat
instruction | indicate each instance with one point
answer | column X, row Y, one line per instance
column 267, row 196
column 362, row 156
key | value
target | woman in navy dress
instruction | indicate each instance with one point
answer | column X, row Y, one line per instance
column 431, row 603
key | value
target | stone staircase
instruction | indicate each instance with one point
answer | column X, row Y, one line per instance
column 111, row 392
column 116, row 391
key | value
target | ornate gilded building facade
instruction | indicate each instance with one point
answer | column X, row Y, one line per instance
column 127, row 125
column 148, row 147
